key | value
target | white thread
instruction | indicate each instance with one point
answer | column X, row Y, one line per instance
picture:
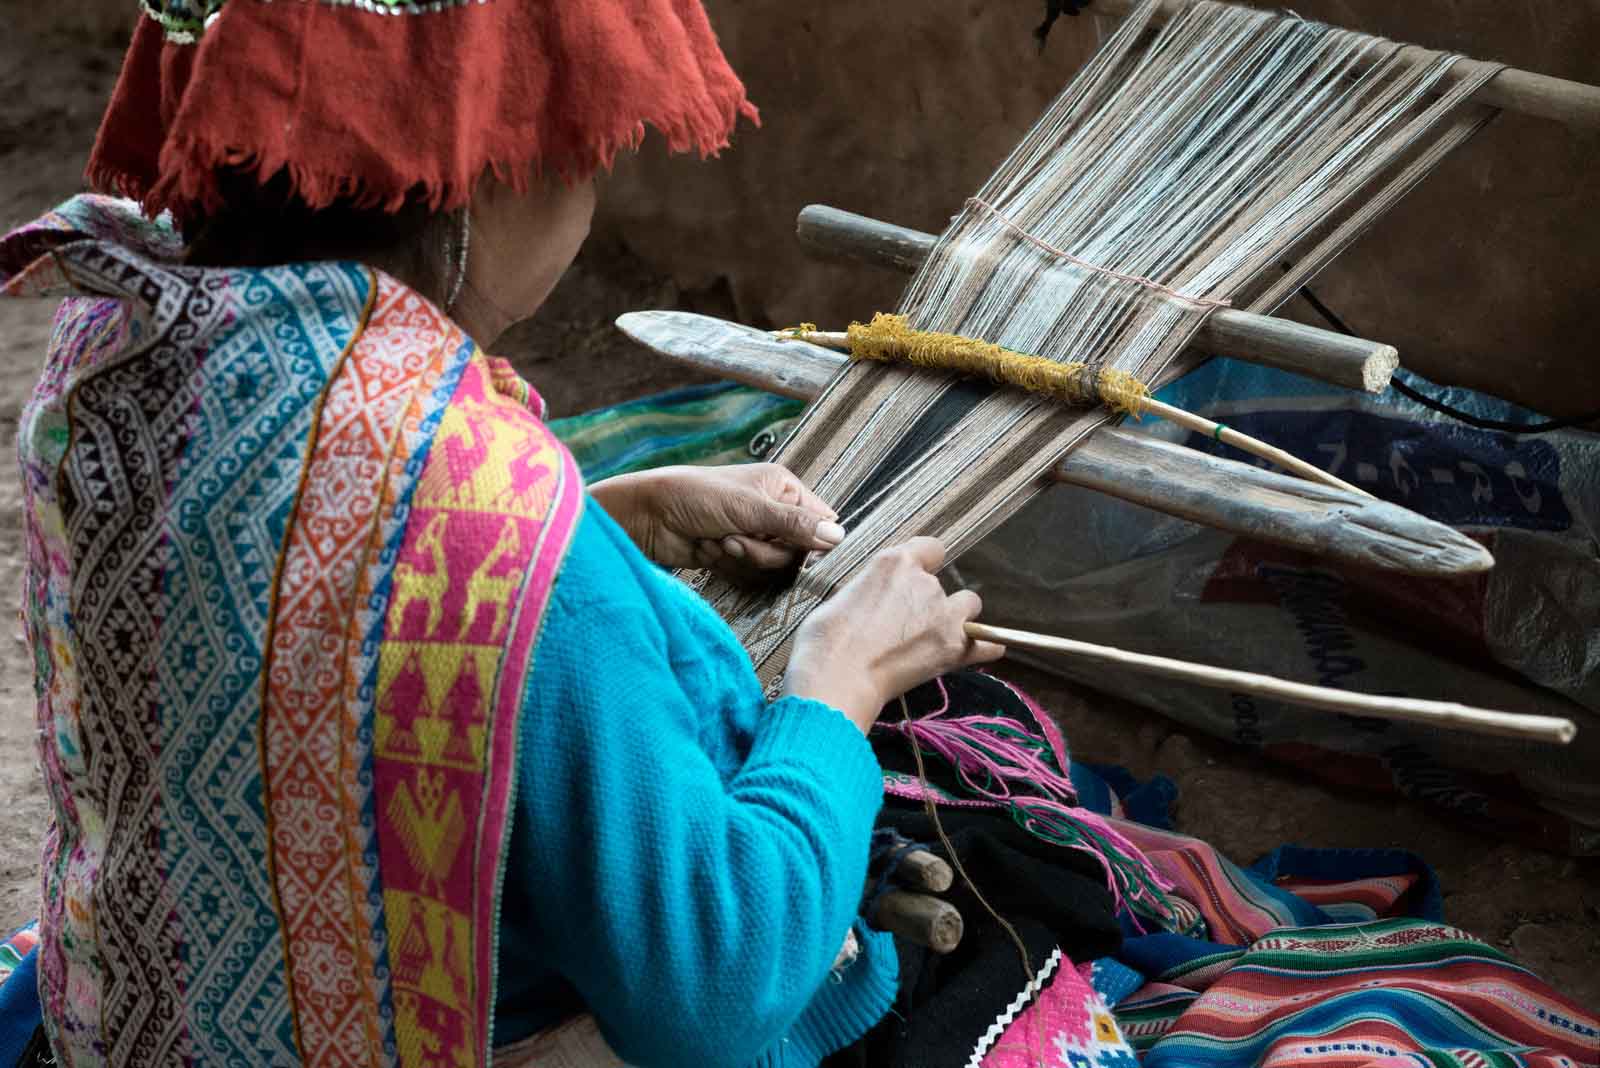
column 461, row 249
column 1203, row 155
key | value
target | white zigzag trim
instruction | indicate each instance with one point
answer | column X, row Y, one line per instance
column 1003, row 1021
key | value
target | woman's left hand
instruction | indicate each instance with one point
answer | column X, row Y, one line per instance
column 731, row 518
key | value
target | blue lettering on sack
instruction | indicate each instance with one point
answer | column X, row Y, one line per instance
column 1456, row 474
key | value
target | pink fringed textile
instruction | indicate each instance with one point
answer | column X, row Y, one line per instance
column 1000, row 762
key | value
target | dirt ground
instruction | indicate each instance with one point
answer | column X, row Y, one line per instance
column 1545, row 909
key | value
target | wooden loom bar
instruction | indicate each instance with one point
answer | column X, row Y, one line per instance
column 1574, row 104
column 1352, row 362
column 1138, row 468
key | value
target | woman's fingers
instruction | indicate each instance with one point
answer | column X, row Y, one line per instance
column 707, row 553
column 966, row 606
column 982, row 652
column 812, row 503
column 928, row 553
column 765, row 555
column 786, row 486
column 764, row 517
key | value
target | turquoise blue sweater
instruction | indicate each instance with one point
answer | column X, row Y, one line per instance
column 686, row 858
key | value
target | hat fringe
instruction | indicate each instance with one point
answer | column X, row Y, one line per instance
column 359, row 158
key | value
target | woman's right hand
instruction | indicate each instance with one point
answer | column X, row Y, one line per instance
column 890, row 628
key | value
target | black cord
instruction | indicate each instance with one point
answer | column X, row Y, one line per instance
column 1440, row 406
column 1054, row 9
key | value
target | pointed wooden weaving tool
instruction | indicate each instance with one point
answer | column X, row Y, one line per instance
column 1572, row 103
column 1146, row 404
column 1447, row 715
column 1352, row 362
column 1135, row 467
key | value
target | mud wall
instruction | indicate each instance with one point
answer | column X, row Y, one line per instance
column 1485, row 276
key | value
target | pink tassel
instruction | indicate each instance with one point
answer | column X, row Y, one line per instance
column 995, row 759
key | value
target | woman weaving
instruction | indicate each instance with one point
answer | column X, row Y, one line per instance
column 372, row 736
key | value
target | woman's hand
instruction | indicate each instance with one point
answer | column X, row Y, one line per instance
column 891, row 628
column 731, row 518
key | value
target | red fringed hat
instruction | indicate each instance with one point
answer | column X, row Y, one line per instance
column 381, row 100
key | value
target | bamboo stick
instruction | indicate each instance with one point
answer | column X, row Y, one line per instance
column 1572, row 103
column 1448, row 715
column 926, row 921
column 1351, row 362
column 1184, row 418
column 1169, row 478
column 1255, row 446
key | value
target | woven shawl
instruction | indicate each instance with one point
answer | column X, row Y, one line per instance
column 1220, row 160
column 290, row 537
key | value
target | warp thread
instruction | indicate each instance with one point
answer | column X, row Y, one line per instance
column 1094, row 268
column 891, row 338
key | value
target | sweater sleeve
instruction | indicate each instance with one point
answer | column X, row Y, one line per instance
column 695, row 915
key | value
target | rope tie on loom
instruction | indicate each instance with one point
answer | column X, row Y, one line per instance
column 1063, row 254
column 891, row 338
column 888, row 851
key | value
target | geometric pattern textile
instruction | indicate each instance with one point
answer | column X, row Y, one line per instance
column 290, row 538
column 1332, row 957
column 1059, row 1019
column 1378, row 994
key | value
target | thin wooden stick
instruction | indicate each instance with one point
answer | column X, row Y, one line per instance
column 834, row 339
column 1552, row 730
column 1255, row 446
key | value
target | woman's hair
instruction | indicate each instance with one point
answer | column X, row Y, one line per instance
column 265, row 224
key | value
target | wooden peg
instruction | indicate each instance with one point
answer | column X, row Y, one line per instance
column 921, row 919
column 925, row 871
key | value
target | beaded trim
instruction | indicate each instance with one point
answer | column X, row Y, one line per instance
column 183, row 21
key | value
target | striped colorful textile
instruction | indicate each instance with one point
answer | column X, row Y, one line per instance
column 721, row 423
column 17, row 945
column 1330, row 958
column 1380, row 993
